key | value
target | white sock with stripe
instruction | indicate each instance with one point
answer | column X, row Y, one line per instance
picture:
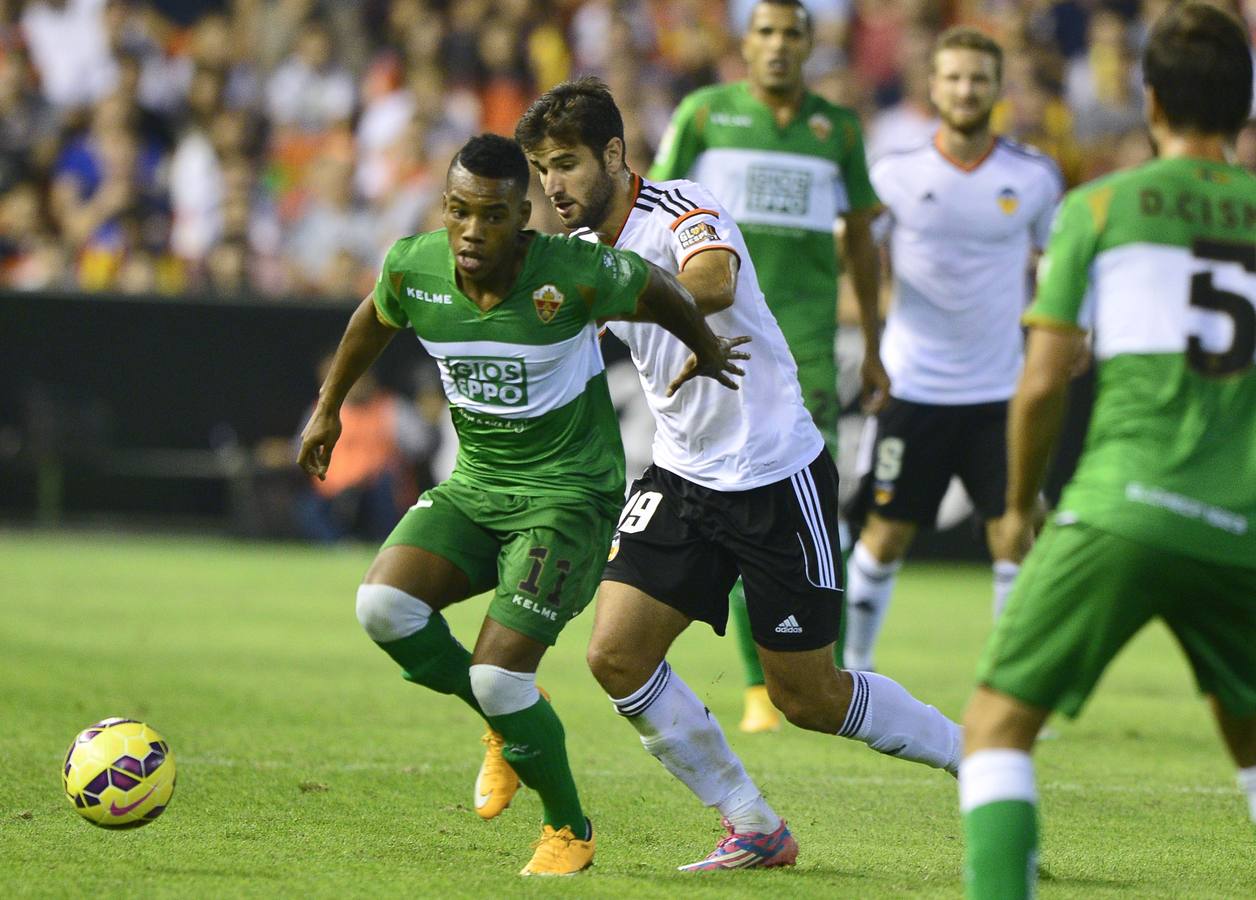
column 869, row 584
column 1247, row 784
column 1004, row 577
column 888, row 719
column 680, row 732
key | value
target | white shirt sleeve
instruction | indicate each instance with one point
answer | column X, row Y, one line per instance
column 702, row 225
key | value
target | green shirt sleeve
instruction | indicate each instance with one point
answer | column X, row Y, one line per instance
column 615, row 280
column 1064, row 271
column 387, row 293
column 682, row 142
column 859, row 191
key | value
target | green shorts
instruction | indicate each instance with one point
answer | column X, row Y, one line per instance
column 543, row 555
column 1084, row 592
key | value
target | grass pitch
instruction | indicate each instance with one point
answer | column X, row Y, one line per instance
column 307, row 767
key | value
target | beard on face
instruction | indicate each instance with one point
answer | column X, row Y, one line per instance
column 972, row 126
column 599, row 201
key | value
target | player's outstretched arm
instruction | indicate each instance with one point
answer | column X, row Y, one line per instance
column 364, row 339
column 864, row 263
column 667, row 303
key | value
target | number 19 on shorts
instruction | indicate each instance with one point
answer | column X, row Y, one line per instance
column 638, row 510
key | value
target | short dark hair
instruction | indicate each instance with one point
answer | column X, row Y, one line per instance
column 581, row 111
column 793, row 4
column 964, row 38
column 1199, row 65
column 494, row 156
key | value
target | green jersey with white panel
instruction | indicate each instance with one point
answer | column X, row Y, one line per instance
column 1160, row 261
column 785, row 188
column 525, row 380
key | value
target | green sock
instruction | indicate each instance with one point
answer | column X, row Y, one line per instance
column 433, row 658
column 1002, row 850
column 536, row 749
column 740, row 620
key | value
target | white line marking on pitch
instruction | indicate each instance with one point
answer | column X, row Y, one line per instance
column 876, row 780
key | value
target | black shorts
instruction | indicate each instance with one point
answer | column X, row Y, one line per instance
column 685, row 545
column 918, row 447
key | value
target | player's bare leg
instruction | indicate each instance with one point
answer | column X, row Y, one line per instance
column 864, row 706
column 1240, row 737
column 631, row 636
column 997, row 794
column 402, row 587
column 399, row 605
column 870, row 571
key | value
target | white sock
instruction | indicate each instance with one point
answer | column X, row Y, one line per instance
column 682, row 734
column 889, row 720
column 388, row 614
column 869, row 584
column 501, row 692
column 989, row 776
column 1004, row 577
column 1247, row 784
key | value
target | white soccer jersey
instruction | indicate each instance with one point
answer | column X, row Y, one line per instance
column 715, row 437
column 959, row 248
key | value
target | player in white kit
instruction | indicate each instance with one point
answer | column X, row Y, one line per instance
column 966, row 212
column 740, row 485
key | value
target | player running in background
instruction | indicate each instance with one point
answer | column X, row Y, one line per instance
column 509, row 316
column 741, row 483
column 968, row 211
column 1160, row 518
column 786, row 164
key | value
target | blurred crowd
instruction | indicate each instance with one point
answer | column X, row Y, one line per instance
column 277, row 147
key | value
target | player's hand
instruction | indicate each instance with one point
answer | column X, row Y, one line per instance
column 317, row 440
column 1015, row 533
column 875, row 384
column 719, row 366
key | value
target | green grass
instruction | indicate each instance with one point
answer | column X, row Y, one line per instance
column 308, row 767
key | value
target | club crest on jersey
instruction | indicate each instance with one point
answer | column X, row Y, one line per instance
column 547, row 299
column 821, row 126
column 1008, row 201
column 882, row 492
column 697, row 233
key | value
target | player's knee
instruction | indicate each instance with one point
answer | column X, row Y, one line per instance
column 805, row 709
column 606, row 663
column 615, row 668
column 501, row 692
column 997, row 720
column 886, row 540
column 388, row 613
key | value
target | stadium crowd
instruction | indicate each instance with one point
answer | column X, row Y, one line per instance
column 277, row 147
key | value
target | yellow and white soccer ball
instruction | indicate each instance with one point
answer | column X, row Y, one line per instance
column 119, row 773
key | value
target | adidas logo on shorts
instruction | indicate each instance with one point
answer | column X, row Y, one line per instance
column 789, row 626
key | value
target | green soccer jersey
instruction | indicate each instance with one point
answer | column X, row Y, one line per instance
column 525, row 380
column 1160, row 261
column 784, row 187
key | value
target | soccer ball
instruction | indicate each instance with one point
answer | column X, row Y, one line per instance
column 118, row 773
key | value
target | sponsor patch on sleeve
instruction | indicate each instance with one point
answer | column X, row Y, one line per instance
column 697, row 233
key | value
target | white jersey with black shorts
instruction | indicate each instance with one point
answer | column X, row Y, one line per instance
column 961, row 238
column 741, row 483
